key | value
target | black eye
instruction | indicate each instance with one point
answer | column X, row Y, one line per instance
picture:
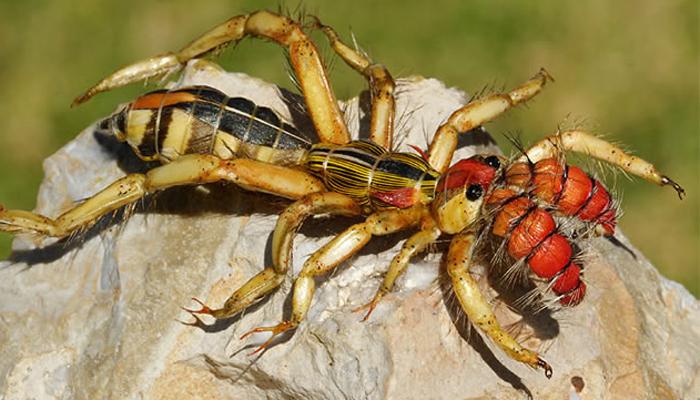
column 474, row 192
column 493, row 161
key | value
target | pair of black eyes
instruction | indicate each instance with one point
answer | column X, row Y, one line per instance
column 475, row 191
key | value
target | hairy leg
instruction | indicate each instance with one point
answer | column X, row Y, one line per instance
column 271, row 277
column 381, row 86
column 334, row 253
column 478, row 309
column 591, row 145
column 414, row 245
column 186, row 170
column 310, row 73
column 477, row 113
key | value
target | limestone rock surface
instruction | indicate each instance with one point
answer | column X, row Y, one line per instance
column 97, row 318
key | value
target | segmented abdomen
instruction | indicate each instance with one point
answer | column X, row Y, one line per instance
column 524, row 206
column 532, row 234
column 164, row 125
column 371, row 175
column 567, row 189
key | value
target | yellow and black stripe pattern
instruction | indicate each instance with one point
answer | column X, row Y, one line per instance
column 374, row 177
column 163, row 125
column 166, row 124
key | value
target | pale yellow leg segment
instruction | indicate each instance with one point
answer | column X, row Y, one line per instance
column 413, row 245
column 320, row 100
column 186, row 170
column 292, row 218
column 271, row 277
column 477, row 308
column 593, row 146
column 334, row 253
column 381, row 86
column 477, row 113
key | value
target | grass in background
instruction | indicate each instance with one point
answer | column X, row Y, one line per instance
column 625, row 69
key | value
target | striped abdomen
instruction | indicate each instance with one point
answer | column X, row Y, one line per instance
column 164, row 125
column 371, row 175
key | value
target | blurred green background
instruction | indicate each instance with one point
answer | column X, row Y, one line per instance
column 626, row 69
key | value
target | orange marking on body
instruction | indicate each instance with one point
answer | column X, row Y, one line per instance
column 519, row 174
column 511, row 212
column 157, row 100
column 529, row 233
column 577, row 189
column 548, row 179
column 552, row 255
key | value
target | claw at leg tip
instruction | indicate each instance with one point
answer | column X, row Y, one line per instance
column 197, row 321
column 204, row 309
column 547, row 368
column 369, row 307
column 665, row 180
column 369, row 312
column 275, row 330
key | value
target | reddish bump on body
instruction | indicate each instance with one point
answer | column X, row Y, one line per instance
column 598, row 203
column 547, row 180
column 529, row 233
column 500, row 196
column 577, row 189
column 575, row 296
column 519, row 174
column 551, row 256
column 509, row 214
column 568, row 280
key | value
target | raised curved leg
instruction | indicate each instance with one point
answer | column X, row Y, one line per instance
column 381, row 86
column 477, row 113
column 311, row 75
column 186, row 170
column 333, row 254
column 478, row 309
column 591, row 145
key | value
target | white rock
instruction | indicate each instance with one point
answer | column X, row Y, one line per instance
column 98, row 318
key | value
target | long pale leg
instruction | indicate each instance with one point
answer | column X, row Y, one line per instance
column 591, row 145
column 334, row 253
column 417, row 243
column 311, row 75
column 477, row 113
column 186, row 170
column 381, row 85
column 271, row 277
column 478, row 309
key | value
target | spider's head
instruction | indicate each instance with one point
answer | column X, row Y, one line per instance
column 460, row 192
